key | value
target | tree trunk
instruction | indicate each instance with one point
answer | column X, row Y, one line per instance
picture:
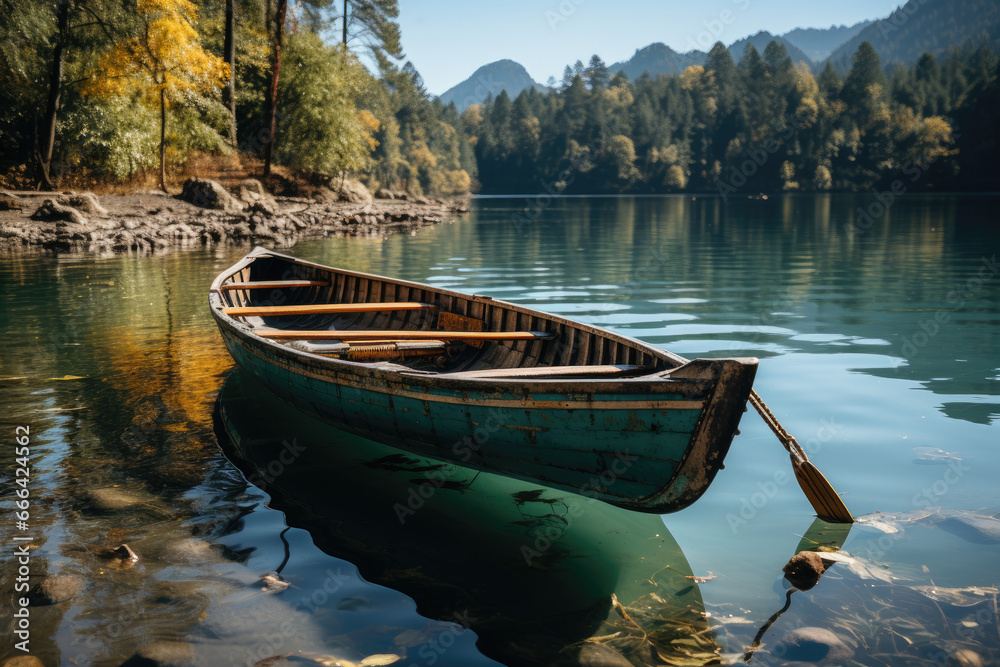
column 229, row 55
column 55, row 83
column 345, row 23
column 272, row 91
column 163, row 138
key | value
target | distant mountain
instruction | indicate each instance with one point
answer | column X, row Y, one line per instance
column 819, row 43
column 936, row 26
column 657, row 58
column 760, row 42
column 490, row 80
column 903, row 36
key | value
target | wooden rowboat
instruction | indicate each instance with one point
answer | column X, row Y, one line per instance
column 484, row 383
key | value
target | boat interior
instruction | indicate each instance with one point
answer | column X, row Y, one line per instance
column 363, row 318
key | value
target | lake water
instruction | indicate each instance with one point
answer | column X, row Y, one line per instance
column 879, row 340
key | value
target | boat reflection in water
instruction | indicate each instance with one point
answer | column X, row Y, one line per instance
column 529, row 569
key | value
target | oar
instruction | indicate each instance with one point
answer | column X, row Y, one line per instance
column 820, row 493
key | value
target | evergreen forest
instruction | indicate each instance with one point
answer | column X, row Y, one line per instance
column 116, row 90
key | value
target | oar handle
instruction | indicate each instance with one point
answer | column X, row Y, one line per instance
column 784, row 437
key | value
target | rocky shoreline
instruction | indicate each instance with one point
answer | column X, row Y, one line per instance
column 206, row 215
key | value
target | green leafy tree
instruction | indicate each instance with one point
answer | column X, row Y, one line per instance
column 164, row 64
column 322, row 128
column 620, row 152
column 26, row 31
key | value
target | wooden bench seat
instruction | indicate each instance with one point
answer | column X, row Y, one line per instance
column 319, row 347
column 544, row 371
column 349, row 335
column 274, row 284
column 324, row 308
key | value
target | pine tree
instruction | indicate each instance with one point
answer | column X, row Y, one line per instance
column 374, row 23
column 866, row 71
column 567, row 77
column 597, row 73
column 830, row 82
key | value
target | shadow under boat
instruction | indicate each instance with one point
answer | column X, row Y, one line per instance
column 530, row 569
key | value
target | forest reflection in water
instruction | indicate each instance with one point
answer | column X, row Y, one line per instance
column 116, row 366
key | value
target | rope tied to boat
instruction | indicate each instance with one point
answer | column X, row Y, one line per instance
column 385, row 351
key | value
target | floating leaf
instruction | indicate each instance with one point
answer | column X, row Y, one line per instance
column 380, row 659
column 935, row 455
column 734, row 620
column 875, row 521
column 273, row 583
column 958, row 597
column 864, row 570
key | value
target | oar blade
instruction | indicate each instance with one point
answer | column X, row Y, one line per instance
column 820, row 493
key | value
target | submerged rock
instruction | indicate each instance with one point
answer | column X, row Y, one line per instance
column 113, row 499
column 813, row 644
column 162, row 654
column 190, row 551
column 54, row 589
column 598, row 655
column 964, row 657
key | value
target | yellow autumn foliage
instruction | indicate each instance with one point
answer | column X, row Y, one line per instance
column 371, row 125
column 166, row 57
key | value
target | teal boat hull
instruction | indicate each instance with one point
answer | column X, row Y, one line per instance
column 650, row 443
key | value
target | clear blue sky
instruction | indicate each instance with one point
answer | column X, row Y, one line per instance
column 447, row 40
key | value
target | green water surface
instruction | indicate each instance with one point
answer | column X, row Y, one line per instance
column 880, row 351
